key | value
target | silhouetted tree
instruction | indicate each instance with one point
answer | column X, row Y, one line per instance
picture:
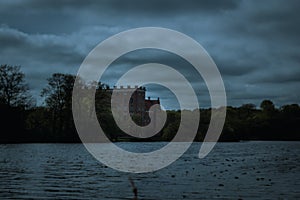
column 58, row 94
column 172, row 125
column 13, row 89
column 290, row 111
column 14, row 98
column 267, row 106
column 37, row 124
column 54, row 122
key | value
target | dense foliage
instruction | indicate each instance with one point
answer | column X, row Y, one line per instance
column 53, row 122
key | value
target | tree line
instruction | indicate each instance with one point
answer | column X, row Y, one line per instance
column 23, row 121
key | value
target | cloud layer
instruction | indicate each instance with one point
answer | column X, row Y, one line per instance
column 255, row 45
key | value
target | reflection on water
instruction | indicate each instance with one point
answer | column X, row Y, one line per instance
column 265, row 170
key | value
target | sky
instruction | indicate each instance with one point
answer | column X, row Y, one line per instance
column 255, row 44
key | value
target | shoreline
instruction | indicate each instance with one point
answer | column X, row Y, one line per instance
column 64, row 142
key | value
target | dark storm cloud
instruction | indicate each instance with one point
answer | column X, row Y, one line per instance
column 133, row 6
column 39, row 55
column 48, row 48
column 68, row 16
column 255, row 44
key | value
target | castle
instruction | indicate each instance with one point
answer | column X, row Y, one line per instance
column 139, row 106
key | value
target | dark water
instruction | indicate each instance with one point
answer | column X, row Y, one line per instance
column 249, row 170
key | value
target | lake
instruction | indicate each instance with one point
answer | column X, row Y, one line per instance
column 245, row 170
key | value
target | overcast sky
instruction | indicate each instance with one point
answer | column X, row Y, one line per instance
column 255, row 44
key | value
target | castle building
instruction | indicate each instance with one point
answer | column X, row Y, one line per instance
column 137, row 104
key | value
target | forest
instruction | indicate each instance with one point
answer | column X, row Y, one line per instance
column 22, row 121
